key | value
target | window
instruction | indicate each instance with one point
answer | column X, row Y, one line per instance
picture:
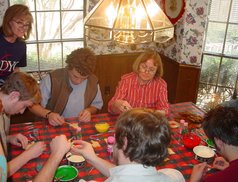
column 219, row 71
column 57, row 30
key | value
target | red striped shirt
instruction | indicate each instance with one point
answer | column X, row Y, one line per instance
column 150, row 95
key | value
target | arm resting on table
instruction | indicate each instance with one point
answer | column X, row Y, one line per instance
column 34, row 151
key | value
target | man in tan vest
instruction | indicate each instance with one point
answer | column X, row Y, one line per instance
column 72, row 91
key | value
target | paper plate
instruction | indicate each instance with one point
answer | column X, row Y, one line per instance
column 66, row 173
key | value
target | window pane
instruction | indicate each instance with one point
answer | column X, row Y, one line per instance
column 48, row 25
column 33, row 30
column 231, row 45
column 68, row 47
column 72, row 4
column 47, row 5
column 28, row 3
column 219, row 10
column 215, row 37
column 32, row 59
column 228, row 72
column 50, row 56
column 224, row 93
column 220, row 31
column 234, row 12
column 52, row 30
column 210, row 68
column 205, row 94
column 72, row 24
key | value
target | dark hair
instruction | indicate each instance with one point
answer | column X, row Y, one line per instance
column 222, row 123
column 24, row 84
column 147, row 133
column 83, row 60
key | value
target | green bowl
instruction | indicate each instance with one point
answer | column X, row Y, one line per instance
column 210, row 143
column 66, row 173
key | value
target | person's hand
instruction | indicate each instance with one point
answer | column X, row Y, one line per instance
column 76, row 132
column 60, row 144
column 55, row 119
column 220, row 163
column 198, row 171
column 122, row 105
column 83, row 148
column 36, row 149
column 84, row 116
column 18, row 140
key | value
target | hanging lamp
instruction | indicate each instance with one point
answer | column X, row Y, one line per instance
column 128, row 22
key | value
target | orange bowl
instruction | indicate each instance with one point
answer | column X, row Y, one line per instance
column 191, row 140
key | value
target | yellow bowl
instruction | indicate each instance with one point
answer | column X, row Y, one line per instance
column 102, row 127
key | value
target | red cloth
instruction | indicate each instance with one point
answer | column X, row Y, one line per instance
column 229, row 174
column 151, row 95
column 182, row 160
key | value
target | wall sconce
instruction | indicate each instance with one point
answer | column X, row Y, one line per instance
column 128, row 22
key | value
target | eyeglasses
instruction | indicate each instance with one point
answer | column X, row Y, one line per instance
column 22, row 24
column 144, row 68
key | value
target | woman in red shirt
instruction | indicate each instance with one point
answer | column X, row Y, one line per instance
column 143, row 87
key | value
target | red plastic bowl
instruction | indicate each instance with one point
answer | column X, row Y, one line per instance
column 191, row 140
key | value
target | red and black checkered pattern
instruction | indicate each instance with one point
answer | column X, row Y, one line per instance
column 182, row 160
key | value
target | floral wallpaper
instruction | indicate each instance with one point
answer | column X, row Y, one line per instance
column 189, row 32
column 185, row 47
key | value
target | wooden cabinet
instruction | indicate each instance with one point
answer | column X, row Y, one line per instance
column 109, row 70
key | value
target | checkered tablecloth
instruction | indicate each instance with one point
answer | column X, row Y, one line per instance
column 183, row 159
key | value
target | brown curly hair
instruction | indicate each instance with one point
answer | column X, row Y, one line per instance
column 83, row 60
column 147, row 133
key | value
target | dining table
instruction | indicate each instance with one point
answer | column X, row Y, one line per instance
column 180, row 157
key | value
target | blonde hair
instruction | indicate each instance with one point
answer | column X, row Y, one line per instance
column 16, row 11
column 149, row 54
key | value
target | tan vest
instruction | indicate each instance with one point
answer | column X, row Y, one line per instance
column 61, row 89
